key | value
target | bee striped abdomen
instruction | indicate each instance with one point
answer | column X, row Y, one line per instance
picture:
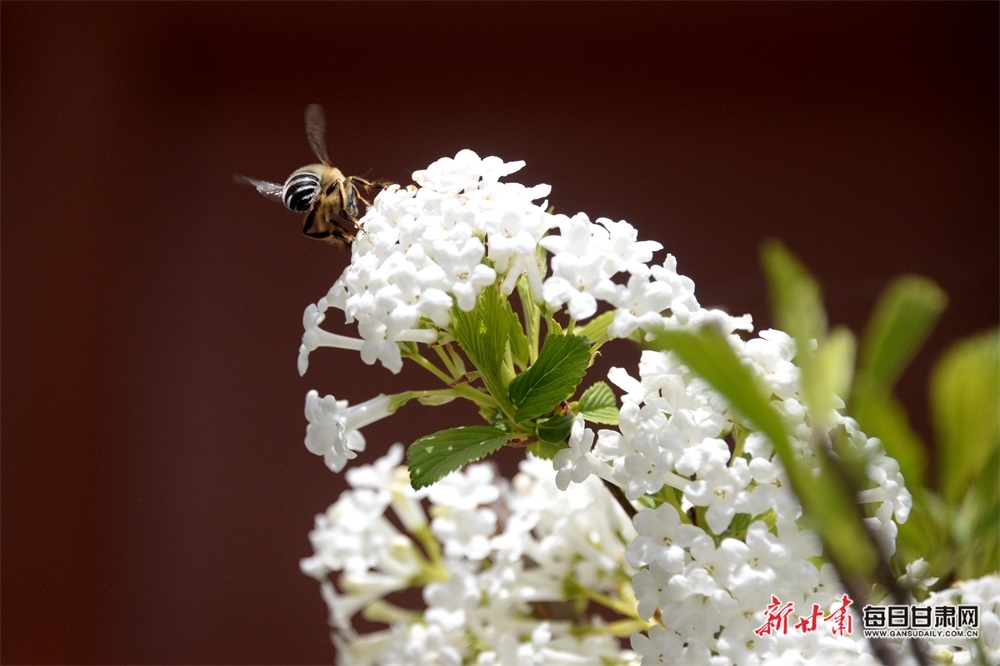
column 300, row 191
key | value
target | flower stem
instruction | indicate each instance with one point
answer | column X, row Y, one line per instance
column 428, row 366
column 447, row 360
column 619, row 496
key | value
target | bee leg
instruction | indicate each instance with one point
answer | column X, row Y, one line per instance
column 313, row 230
column 368, row 185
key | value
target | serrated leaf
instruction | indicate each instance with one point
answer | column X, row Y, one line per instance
column 552, row 378
column 434, row 456
column 555, row 429
column 598, row 405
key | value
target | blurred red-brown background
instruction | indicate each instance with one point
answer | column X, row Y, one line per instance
column 156, row 494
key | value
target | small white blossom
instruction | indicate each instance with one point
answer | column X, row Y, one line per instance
column 315, row 337
column 719, row 488
column 662, row 538
column 334, row 428
column 576, row 463
column 466, row 274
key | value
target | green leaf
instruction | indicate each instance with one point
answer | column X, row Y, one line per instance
column 881, row 415
column 555, row 429
column 532, row 314
column 965, row 401
column 797, row 304
column 434, row 456
column 517, row 339
column 598, row 404
column 899, row 325
column 483, row 334
column 553, row 377
column 795, row 296
column 545, row 450
column 832, row 371
column 596, row 330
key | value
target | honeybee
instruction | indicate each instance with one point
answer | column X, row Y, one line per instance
column 328, row 197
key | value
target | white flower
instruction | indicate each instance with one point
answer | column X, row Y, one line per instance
column 644, row 473
column 884, row 472
column 641, row 303
column 649, row 584
column 464, row 172
column 353, row 536
column 474, row 487
column 315, row 337
column 466, row 275
column 582, row 264
column 412, row 293
column 916, row 577
column 379, row 475
column 423, row 251
column 333, row 430
column 698, row 606
column 623, row 241
column 576, row 463
column 660, row 646
column 770, row 490
column 661, row 538
column 466, row 532
column 772, row 353
column 512, row 238
column 719, row 488
column 720, row 561
column 756, row 579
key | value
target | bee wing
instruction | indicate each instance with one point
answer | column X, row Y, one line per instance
column 316, row 132
column 269, row 190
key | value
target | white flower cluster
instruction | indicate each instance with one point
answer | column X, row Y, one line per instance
column 502, row 566
column 426, row 248
column 982, row 592
column 715, row 538
column 725, row 538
